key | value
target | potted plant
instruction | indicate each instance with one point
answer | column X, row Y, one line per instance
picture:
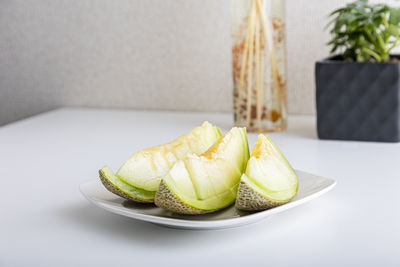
column 358, row 90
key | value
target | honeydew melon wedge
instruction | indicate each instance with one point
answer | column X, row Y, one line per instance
column 122, row 189
column 209, row 182
column 139, row 177
column 269, row 180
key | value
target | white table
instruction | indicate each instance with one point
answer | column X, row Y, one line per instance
column 45, row 221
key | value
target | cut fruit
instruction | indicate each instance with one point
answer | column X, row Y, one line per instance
column 209, row 182
column 142, row 172
column 269, row 180
column 122, row 189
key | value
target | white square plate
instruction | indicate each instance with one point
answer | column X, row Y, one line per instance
column 310, row 187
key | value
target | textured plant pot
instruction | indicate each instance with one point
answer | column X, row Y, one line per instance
column 358, row 101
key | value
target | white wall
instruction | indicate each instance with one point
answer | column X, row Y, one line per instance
column 147, row 54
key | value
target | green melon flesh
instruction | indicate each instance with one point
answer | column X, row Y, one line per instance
column 120, row 188
column 144, row 169
column 269, row 180
column 209, row 182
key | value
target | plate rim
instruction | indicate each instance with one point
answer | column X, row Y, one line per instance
column 214, row 224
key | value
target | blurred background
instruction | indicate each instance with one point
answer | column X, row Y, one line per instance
column 140, row 54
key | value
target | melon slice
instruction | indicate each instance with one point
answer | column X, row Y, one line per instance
column 122, row 189
column 209, row 182
column 139, row 177
column 269, row 180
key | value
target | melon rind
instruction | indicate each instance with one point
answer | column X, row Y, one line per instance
column 113, row 184
column 252, row 197
column 169, row 197
column 169, row 201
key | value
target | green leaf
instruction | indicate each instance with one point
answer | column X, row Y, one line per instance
column 340, row 10
column 334, row 48
column 393, row 30
column 394, row 17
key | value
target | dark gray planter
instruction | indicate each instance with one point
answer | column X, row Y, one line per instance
column 358, row 101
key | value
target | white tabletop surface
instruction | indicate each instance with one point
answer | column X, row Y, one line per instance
column 45, row 221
